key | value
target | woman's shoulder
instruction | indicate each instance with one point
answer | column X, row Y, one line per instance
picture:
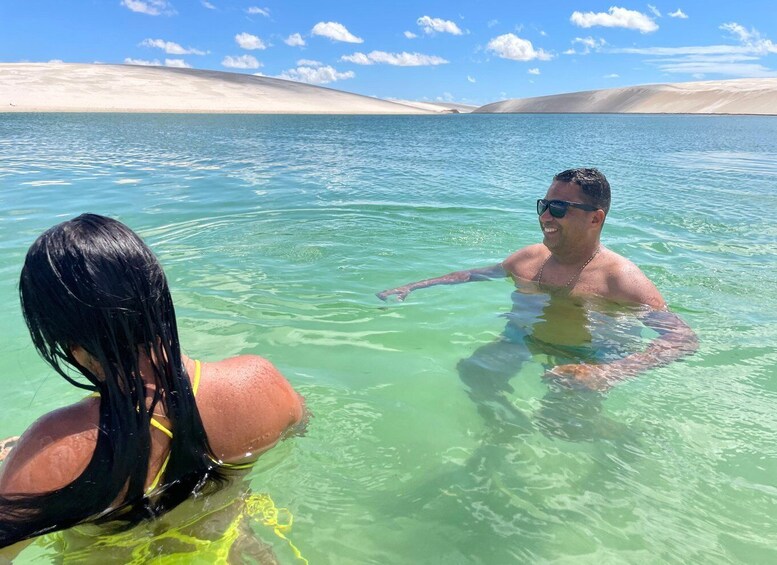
column 248, row 378
column 246, row 405
column 53, row 451
column 249, row 367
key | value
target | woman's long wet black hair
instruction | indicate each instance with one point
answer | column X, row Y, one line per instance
column 91, row 282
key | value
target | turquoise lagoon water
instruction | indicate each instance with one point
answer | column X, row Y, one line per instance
column 276, row 231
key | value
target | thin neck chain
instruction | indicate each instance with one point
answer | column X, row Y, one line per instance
column 576, row 275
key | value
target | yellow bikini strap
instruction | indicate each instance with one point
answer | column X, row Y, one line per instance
column 168, row 433
column 161, row 427
column 158, row 477
column 196, row 380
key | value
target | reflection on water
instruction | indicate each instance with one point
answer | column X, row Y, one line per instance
column 551, row 328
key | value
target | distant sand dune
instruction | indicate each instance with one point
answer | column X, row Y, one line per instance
column 439, row 107
column 736, row 96
column 63, row 87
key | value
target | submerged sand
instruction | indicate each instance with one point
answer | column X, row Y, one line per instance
column 65, row 87
column 735, row 96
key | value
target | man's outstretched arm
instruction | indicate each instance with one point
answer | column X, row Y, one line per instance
column 457, row 277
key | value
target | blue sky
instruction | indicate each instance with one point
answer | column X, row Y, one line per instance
column 471, row 52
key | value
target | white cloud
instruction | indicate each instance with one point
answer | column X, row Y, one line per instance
column 149, row 7
column 178, row 63
column 534, row 71
column 410, row 35
column 358, row 58
column 57, row 61
column 510, row 46
column 612, row 75
column 615, row 17
column 403, row 59
column 432, row 25
column 335, row 31
column 309, row 63
column 470, row 79
column 208, row 5
column 744, row 70
column 589, row 43
column 731, row 60
column 142, row 62
column 492, row 23
column 654, row 10
column 751, row 43
column 750, row 38
column 678, row 14
column 241, row 62
column 315, row 74
column 683, row 51
column 249, row 42
column 255, row 10
column 170, row 48
column 295, row 40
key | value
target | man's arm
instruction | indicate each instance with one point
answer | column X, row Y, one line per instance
column 457, row 277
column 675, row 340
column 6, row 446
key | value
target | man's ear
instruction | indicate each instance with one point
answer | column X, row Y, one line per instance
column 598, row 218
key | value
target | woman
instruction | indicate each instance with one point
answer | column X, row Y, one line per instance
column 96, row 301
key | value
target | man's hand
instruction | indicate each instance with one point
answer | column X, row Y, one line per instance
column 6, row 446
column 400, row 292
column 593, row 377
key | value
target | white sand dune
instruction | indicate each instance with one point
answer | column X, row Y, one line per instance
column 736, row 96
column 439, row 107
column 63, row 87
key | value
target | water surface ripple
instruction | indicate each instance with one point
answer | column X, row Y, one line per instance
column 275, row 233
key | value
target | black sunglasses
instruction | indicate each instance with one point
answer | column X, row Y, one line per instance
column 558, row 208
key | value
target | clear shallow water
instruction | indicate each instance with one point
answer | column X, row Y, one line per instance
column 275, row 233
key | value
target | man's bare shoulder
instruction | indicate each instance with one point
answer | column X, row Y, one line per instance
column 53, row 451
column 525, row 262
column 534, row 251
column 627, row 283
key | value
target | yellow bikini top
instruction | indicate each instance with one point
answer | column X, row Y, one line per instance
column 165, row 430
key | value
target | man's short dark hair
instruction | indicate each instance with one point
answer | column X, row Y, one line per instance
column 592, row 182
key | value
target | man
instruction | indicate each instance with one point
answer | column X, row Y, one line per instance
column 571, row 262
